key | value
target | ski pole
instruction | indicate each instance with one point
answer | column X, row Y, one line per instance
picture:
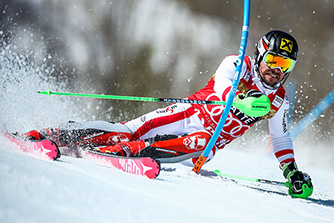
column 242, row 50
column 133, row 98
column 305, row 187
column 254, row 107
column 272, row 182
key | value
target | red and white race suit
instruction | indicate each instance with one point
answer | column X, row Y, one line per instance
column 185, row 118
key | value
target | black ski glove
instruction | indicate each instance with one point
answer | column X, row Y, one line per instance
column 300, row 183
column 251, row 93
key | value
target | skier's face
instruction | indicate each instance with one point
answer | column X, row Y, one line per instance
column 270, row 76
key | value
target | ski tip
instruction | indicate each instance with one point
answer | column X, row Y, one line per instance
column 56, row 153
column 155, row 167
column 50, row 149
column 158, row 168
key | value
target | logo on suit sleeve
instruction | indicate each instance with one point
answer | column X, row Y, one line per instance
column 277, row 101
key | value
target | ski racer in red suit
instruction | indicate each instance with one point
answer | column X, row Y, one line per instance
column 180, row 132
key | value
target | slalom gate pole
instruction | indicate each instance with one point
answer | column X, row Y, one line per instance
column 313, row 115
column 272, row 182
column 243, row 45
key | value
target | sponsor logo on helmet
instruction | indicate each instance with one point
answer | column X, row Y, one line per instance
column 286, row 45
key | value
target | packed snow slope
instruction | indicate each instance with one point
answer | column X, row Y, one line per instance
column 77, row 190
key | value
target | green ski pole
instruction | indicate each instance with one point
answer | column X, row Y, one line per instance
column 272, row 182
column 253, row 107
column 306, row 190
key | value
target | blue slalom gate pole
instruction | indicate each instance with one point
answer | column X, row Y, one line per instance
column 313, row 115
column 235, row 83
column 291, row 88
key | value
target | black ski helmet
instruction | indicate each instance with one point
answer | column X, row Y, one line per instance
column 278, row 42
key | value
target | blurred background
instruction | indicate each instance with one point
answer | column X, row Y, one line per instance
column 155, row 48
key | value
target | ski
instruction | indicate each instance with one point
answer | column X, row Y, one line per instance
column 43, row 149
column 144, row 166
column 47, row 149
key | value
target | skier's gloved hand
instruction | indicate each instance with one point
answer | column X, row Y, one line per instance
column 253, row 103
column 300, row 184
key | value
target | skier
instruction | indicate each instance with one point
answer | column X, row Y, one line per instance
column 181, row 132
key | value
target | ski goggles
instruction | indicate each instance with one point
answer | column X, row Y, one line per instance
column 272, row 60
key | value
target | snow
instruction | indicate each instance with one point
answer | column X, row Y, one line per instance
column 79, row 190
column 76, row 190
